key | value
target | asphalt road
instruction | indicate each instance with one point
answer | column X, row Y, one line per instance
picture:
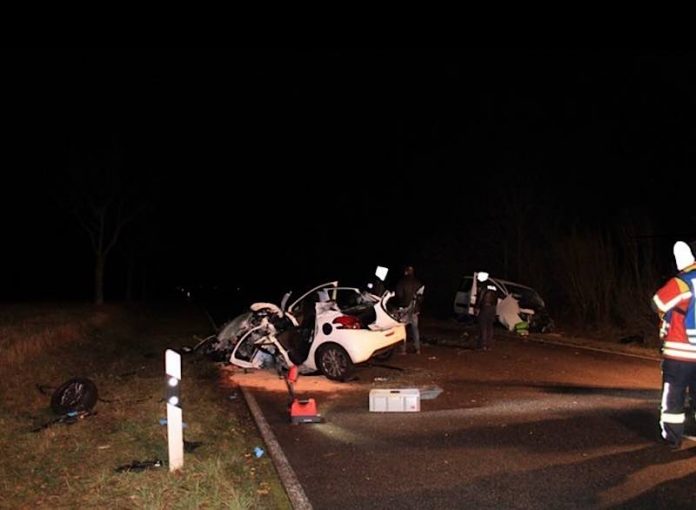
column 524, row 426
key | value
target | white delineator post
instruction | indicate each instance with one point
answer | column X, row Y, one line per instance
column 175, row 433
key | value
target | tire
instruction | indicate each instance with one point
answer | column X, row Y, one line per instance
column 76, row 395
column 386, row 355
column 334, row 362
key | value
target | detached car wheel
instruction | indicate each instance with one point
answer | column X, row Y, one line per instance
column 334, row 362
column 76, row 395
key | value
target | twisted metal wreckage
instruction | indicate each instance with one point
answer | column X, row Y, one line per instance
column 329, row 329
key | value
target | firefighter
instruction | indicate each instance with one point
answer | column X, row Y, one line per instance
column 676, row 306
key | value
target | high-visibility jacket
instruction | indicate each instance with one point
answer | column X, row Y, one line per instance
column 676, row 304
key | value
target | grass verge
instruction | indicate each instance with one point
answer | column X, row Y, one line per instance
column 74, row 466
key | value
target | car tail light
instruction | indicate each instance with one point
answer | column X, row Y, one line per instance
column 347, row 322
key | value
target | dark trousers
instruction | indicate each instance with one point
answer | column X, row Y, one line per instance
column 486, row 319
column 677, row 376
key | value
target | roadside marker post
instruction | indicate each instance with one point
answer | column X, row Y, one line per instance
column 175, row 433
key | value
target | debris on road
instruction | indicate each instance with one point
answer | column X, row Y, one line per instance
column 430, row 392
column 138, row 466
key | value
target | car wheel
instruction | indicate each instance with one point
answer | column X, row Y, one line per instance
column 334, row 362
column 76, row 395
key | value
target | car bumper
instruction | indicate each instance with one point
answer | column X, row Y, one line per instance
column 374, row 342
column 361, row 344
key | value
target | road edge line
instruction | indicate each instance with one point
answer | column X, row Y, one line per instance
column 292, row 485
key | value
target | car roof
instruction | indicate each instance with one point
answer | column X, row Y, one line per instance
column 505, row 282
column 508, row 283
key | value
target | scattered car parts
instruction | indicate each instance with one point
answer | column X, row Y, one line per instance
column 76, row 395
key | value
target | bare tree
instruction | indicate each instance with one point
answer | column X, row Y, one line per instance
column 103, row 199
column 103, row 222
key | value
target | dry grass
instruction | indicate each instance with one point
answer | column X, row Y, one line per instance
column 26, row 331
column 74, row 466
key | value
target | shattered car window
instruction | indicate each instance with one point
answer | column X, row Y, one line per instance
column 465, row 284
column 346, row 298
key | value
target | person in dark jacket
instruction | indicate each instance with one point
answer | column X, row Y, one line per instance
column 409, row 295
column 486, row 303
column 376, row 287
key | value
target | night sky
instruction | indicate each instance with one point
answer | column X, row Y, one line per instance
column 382, row 156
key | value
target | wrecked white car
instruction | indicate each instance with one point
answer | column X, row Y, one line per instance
column 517, row 303
column 329, row 329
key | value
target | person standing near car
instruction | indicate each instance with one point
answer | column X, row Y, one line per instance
column 409, row 295
column 675, row 304
column 376, row 287
column 486, row 303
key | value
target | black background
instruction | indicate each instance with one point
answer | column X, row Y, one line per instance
column 269, row 169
